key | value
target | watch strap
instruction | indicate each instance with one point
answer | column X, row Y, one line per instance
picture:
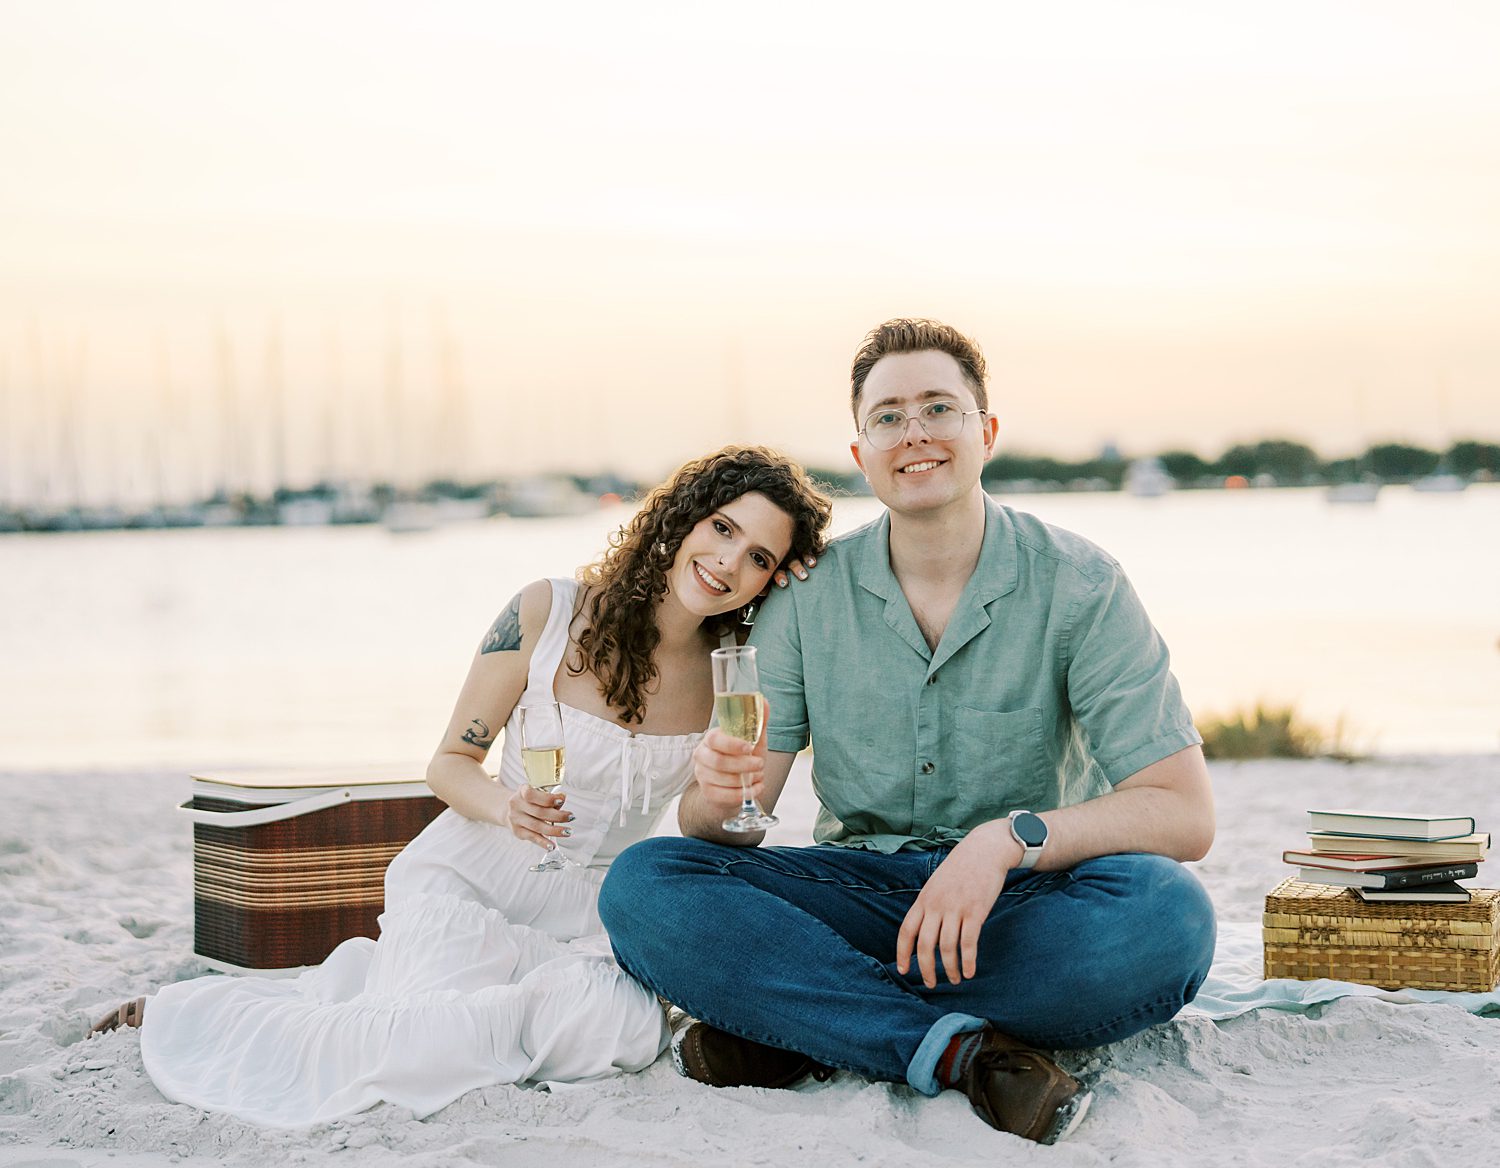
column 1030, row 853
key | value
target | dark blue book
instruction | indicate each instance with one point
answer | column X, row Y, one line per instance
column 1390, row 879
column 1429, row 893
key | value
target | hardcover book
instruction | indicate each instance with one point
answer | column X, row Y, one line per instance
column 1354, row 862
column 1391, row 825
column 1460, row 848
column 1434, row 894
column 1390, row 879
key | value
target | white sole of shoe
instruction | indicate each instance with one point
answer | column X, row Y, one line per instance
column 1068, row 1117
column 677, row 1055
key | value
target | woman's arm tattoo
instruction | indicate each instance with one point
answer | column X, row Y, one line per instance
column 479, row 734
column 505, row 633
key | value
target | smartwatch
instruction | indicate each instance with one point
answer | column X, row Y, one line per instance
column 1030, row 831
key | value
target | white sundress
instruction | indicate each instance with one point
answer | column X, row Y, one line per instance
column 484, row 972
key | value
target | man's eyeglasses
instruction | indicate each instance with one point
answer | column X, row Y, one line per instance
column 942, row 420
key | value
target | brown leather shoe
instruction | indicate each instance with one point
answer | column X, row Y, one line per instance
column 721, row 1059
column 1020, row 1090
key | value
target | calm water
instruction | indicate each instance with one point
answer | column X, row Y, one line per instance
column 196, row 648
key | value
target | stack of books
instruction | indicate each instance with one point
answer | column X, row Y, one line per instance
column 1391, row 857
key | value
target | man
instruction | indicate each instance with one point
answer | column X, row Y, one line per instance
column 1007, row 775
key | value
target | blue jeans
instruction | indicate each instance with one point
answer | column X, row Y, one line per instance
column 796, row 948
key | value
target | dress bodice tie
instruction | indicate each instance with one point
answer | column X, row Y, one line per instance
column 635, row 759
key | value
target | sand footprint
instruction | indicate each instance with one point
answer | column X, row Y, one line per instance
column 15, row 1099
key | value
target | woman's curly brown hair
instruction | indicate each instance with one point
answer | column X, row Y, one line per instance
column 628, row 581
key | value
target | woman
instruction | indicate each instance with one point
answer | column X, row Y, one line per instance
column 486, row 972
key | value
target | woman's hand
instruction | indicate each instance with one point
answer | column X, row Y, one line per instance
column 796, row 568
column 537, row 817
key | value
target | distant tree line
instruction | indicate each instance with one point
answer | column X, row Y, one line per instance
column 1288, row 463
column 1292, row 462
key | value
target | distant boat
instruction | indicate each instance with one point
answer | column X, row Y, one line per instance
column 221, row 515
column 1146, row 478
column 182, row 515
column 407, row 516
column 1365, row 487
column 548, row 497
column 1361, row 491
column 462, row 510
column 305, row 511
column 354, row 502
column 402, row 516
column 1440, row 482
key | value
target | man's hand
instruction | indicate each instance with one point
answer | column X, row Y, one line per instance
column 715, row 795
column 721, row 765
column 954, row 904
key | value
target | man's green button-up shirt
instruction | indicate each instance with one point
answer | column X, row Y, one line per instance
column 1049, row 686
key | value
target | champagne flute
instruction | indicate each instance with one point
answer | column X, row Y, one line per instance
column 542, row 758
column 740, row 709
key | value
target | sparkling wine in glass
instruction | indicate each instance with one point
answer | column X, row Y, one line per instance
column 740, row 709
column 542, row 759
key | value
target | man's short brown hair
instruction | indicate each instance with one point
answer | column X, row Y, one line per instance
column 903, row 335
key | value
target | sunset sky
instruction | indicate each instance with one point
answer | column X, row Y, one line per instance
column 492, row 238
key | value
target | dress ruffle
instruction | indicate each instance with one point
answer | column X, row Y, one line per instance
column 453, row 996
column 294, row 1052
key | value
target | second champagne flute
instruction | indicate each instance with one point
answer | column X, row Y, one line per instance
column 740, row 709
column 542, row 758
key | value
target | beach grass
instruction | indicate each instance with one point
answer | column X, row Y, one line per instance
column 1273, row 731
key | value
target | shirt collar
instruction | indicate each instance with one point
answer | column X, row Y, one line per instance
column 995, row 575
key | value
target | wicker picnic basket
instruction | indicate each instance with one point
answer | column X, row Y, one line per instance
column 287, row 864
column 1315, row 930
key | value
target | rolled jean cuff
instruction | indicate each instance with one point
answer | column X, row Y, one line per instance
column 921, row 1073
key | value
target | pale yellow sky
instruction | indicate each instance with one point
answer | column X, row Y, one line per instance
column 623, row 234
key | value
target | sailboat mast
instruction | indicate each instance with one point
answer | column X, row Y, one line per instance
column 229, row 437
column 9, row 448
column 76, row 369
column 161, row 434
column 38, row 424
column 276, row 398
column 451, row 459
column 334, row 466
column 394, row 421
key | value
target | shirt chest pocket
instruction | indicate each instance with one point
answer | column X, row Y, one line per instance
column 1002, row 762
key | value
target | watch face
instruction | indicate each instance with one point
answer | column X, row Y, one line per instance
column 1029, row 829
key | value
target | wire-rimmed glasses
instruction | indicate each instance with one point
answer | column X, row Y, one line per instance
column 943, row 420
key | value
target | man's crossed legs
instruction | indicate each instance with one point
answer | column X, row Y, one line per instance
column 796, row 948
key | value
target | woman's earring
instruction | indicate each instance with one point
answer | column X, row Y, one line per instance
column 747, row 614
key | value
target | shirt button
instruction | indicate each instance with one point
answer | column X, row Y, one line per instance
column 927, row 768
column 932, row 680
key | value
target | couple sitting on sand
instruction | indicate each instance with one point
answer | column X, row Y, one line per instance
column 1007, row 778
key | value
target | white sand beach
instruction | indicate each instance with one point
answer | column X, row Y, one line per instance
column 96, row 906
